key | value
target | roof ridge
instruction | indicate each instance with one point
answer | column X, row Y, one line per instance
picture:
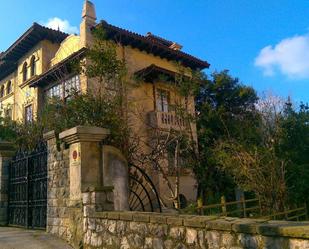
column 51, row 29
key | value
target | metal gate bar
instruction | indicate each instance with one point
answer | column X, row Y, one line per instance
column 28, row 188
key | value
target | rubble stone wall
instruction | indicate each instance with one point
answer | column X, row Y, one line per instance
column 90, row 222
column 64, row 217
column 128, row 230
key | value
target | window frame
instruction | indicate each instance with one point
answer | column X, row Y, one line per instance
column 2, row 91
column 25, row 72
column 33, row 66
column 28, row 121
column 9, row 87
column 9, row 113
column 64, row 95
column 162, row 101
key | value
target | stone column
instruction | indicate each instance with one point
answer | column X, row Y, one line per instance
column 6, row 153
column 84, row 159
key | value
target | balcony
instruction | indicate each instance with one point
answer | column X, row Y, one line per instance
column 166, row 120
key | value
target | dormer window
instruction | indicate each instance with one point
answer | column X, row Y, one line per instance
column 9, row 87
column 2, row 91
column 32, row 66
column 25, row 71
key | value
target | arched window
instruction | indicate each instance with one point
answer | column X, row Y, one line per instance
column 9, row 87
column 25, row 72
column 32, row 66
column 1, row 91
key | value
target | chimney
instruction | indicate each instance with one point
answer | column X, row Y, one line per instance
column 176, row 46
column 88, row 21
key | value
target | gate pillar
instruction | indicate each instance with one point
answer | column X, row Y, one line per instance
column 84, row 158
column 6, row 153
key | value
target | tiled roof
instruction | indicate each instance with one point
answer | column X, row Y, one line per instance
column 30, row 38
column 151, row 44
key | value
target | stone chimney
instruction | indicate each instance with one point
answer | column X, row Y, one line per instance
column 176, row 46
column 88, row 21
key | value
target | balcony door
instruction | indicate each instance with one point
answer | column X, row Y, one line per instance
column 162, row 100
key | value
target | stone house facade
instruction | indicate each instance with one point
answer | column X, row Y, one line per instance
column 28, row 66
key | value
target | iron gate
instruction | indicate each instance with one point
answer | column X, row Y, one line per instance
column 143, row 194
column 28, row 188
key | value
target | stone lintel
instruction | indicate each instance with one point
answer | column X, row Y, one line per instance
column 6, row 149
column 84, row 134
column 49, row 135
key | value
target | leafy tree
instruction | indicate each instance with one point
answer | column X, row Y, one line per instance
column 7, row 131
column 275, row 166
column 294, row 148
column 225, row 110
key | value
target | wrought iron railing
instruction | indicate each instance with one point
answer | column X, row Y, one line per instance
column 143, row 194
column 28, row 188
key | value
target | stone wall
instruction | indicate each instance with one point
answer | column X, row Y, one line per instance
column 64, row 217
column 81, row 209
column 74, row 166
column 127, row 230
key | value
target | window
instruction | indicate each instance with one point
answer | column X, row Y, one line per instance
column 64, row 90
column 32, row 66
column 28, row 114
column 2, row 91
column 55, row 91
column 8, row 113
column 9, row 87
column 71, row 85
column 162, row 100
column 25, row 71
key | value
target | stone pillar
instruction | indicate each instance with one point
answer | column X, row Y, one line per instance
column 84, row 159
column 6, row 153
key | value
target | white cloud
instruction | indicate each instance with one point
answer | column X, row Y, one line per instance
column 289, row 57
column 63, row 25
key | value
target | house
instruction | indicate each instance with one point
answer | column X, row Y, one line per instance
column 29, row 66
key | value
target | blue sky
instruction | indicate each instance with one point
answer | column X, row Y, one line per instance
column 264, row 43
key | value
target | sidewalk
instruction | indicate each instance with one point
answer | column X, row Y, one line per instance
column 16, row 238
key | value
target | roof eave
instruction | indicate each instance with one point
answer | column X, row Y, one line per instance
column 141, row 42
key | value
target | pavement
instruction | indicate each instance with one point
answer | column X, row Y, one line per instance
column 16, row 238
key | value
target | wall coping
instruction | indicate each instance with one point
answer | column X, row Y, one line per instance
column 84, row 134
column 49, row 135
column 91, row 189
column 263, row 227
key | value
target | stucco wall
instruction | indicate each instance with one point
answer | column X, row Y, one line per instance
column 21, row 94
